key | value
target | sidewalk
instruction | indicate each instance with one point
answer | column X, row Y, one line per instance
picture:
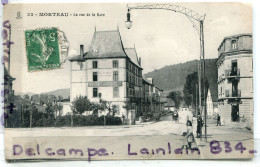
column 225, row 138
column 221, row 133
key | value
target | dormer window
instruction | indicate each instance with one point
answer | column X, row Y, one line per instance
column 234, row 44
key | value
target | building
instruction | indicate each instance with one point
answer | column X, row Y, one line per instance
column 9, row 98
column 169, row 105
column 152, row 97
column 235, row 78
column 212, row 101
column 110, row 72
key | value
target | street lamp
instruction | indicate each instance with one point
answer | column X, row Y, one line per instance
column 192, row 16
column 128, row 22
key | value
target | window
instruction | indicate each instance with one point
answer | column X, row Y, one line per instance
column 95, row 76
column 115, row 63
column 95, row 92
column 234, row 44
column 233, row 67
column 115, row 92
column 115, row 76
column 94, row 64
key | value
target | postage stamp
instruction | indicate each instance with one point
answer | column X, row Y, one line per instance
column 42, row 49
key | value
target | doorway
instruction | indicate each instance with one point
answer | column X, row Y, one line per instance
column 235, row 113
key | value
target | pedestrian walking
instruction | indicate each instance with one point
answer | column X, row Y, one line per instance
column 199, row 126
column 218, row 120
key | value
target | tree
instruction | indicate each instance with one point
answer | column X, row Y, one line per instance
column 176, row 97
column 114, row 110
column 50, row 110
column 189, row 89
column 52, row 98
column 43, row 99
column 60, row 107
column 81, row 104
column 60, row 98
column 128, row 107
column 26, row 97
column 35, row 98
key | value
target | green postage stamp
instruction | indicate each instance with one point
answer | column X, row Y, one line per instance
column 42, row 48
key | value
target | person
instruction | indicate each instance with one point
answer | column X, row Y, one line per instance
column 123, row 117
column 199, row 126
column 190, row 137
column 175, row 116
column 218, row 120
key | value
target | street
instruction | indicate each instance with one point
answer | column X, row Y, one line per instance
column 150, row 132
column 163, row 127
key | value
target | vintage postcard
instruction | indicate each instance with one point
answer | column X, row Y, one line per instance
column 128, row 81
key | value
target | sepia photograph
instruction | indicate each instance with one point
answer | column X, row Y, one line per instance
column 128, row 81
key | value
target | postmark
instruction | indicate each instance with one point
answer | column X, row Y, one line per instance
column 42, row 49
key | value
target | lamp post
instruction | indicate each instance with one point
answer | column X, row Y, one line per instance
column 192, row 16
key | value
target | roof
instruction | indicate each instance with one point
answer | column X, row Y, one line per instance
column 158, row 88
column 131, row 53
column 169, row 103
column 77, row 58
column 234, row 36
column 7, row 75
column 106, row 44
column 146, row 80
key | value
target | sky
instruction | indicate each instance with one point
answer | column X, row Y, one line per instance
column 160, row 37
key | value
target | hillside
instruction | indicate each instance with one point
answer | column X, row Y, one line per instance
column 173, row 77
column 168, row 78
column 65, row 93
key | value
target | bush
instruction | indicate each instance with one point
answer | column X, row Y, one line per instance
column 44, row 120
column 113, row 120
column 63, row 121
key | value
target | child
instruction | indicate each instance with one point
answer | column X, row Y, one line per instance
column 190, row 137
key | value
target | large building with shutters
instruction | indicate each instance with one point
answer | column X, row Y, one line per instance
column 235, row 79
column 109, row 72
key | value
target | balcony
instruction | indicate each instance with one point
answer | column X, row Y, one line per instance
column 232, row 73
column 233, row 94
column 155, row 97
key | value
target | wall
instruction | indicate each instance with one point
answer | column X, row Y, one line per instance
column 66, row 108
column 209, row 104
column 78, row 79
column 225, row 112
column 105, row 73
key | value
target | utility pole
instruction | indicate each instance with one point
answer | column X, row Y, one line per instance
column 204, row 77
column 196, row 110
column 199, row 80
column 31, row 115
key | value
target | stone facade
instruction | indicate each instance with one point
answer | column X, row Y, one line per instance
column 235, row 79
column 110, row 72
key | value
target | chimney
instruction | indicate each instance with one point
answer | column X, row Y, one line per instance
column 140, row 61
column 81, row 50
